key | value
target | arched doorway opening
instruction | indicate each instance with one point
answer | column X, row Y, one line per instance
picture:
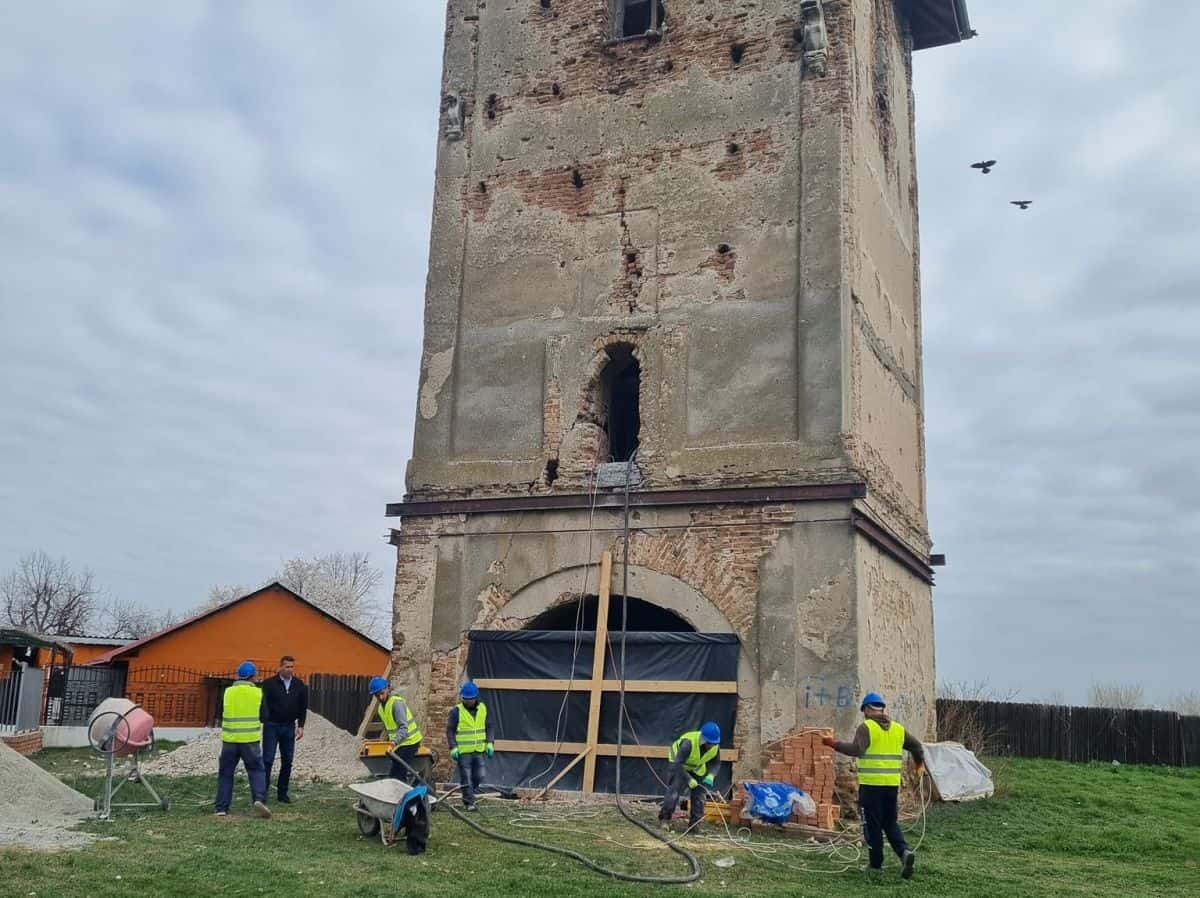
column 641, row 617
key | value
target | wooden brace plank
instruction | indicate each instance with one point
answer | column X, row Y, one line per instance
column 597, row 684
column 554, row 782
column 372, row 705
column 697, row 687
column 603, row 750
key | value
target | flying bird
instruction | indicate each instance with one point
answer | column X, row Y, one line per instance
column 984, row 167
column 1023, row 204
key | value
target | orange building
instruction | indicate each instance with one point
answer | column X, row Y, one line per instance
column 177, row 673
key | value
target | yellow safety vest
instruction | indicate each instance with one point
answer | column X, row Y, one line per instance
column 471, row 735
column 883, row 760
column 696, row 763
column 389, row 721
column 240, row 709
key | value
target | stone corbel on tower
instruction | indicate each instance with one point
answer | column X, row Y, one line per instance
column 815, row 40
column 452, row 116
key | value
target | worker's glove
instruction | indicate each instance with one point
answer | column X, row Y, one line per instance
column 828, row 741
column 692, row 784
column 709, row 781
column 454, row 753
column 489, row 749
column 920, row 770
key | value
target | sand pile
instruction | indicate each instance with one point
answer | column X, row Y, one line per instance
column 326, row 754
column 36, row 807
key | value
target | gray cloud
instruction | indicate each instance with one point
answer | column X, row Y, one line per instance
column 1060, row 364
column 213, row 234
column 214, row 225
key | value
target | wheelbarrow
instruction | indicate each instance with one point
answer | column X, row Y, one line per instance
column 385, row 807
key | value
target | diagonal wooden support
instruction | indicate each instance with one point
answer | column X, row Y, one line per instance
column 372, row 705
column 554, row 782
column 597, row 682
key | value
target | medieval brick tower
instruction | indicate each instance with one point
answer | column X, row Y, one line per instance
column 675, row 245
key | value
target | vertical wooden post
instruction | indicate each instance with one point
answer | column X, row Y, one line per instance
column 597, row 684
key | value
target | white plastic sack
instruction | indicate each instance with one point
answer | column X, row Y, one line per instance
column 957, row 774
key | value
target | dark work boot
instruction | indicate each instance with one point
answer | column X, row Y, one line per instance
column 907, row 864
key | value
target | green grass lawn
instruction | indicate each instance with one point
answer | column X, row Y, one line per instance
column 1056, row 829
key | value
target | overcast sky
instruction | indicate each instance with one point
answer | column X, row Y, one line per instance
column 213, row 234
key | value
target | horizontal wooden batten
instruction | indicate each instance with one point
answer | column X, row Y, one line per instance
column 603, row 750
column 698, row 687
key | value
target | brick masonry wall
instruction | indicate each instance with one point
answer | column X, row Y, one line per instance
column 24, row 743
column 719, row 557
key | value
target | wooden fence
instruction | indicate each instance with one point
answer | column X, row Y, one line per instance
column 339, row 698
column 1081, row 734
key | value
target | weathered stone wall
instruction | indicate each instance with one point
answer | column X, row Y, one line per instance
column 681, row 195
column 749, row 233
column 886, row 428
column 895, row 638
column 780, row 577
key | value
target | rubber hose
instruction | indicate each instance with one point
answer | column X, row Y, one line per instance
column 586, row 861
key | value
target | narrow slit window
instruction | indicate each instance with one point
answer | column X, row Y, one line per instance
column 622, row 389
column 634, row 18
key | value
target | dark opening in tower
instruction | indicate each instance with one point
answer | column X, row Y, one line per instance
column 621, row 386
column 638, row 17
column 643, row 617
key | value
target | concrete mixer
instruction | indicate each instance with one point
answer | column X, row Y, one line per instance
column 120, row 729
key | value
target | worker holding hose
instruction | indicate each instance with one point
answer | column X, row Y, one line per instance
column 879, row 744
column 690, row 756
column 401, row 728
column 470, row 735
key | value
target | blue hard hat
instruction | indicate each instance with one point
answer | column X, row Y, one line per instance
column 246, row 670
column 377, row 685
column 711, row 733
column 469, row 690
column 872, row 698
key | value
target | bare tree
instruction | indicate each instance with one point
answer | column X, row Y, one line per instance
column 223, row 594
column 46, row 596
column 1187, row 703
column 342, row 584
column 977, row 691
column 125, row 619
column 1053, row 697
column 1116, row 695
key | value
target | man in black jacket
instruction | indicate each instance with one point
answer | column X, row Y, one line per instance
column 285, row 709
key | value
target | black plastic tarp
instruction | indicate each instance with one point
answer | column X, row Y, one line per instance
column 652, row 718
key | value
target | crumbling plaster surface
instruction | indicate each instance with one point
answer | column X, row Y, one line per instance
column 656, row 187
column 886, row 429
column 781, row 577
column 895, row 637
column 752, row 234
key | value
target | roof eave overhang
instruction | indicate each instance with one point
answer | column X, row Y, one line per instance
column 936, row 23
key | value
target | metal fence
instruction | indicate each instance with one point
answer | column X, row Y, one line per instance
column 20, row 700
column 1067, row 733
column 177, row 696
column 183, row 697
column 75, row 691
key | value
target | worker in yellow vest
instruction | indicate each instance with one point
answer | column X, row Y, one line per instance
column 401, row 728
column 241, row 732
column 879, row 744
column 470, row 735
column 694, row 757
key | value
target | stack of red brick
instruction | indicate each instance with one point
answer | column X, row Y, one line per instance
column 807, row 764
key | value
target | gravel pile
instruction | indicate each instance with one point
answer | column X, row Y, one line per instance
column 326, row 754
column 36, row 808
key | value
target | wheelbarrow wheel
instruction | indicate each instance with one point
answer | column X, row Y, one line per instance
column 367, row 825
